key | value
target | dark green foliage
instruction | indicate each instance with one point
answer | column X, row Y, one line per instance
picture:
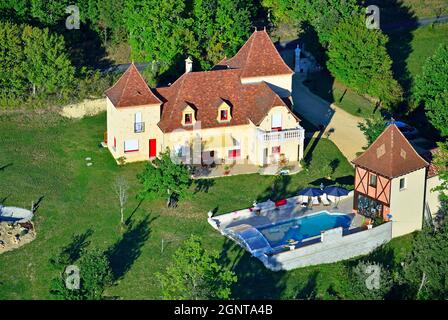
column 95, row 275
column 323, row 15
column 431, row 89
column 195, row 274
column 168, row 31
column 12, row 77
column 361, row 285
column 357, row 57
column 441, row 162
column 163, row 178
column 372, row 127
column 425, row 270
column 34, row 61
column 46, row 66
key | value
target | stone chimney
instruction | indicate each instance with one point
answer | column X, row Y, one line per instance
column 188, row 65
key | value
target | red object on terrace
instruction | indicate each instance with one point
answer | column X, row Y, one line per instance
column 280, row 202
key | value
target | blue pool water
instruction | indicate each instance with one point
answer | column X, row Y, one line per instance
column 305, row 227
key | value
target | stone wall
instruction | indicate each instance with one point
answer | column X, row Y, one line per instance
column 334, row 246
column 84, row 108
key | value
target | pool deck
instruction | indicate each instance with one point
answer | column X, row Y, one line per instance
column 289, row 212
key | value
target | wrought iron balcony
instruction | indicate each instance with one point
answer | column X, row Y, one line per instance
column 139, row 127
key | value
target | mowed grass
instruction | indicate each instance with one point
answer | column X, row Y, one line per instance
column 425, row 40
column 326, row 87
column 47, row 156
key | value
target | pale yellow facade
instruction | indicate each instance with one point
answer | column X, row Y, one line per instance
column 281, row 84
column 248, row 144
column 407, row 203
column 432, row 197
column 121, row 129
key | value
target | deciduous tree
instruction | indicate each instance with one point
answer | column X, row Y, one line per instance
column 372, row 127
column 95, row 276
column 163, row 178
column 195, row 273
column 431, row 89
column 359, row 59
column 46, row 66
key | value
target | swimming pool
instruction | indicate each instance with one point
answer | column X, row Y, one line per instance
column 304, row 227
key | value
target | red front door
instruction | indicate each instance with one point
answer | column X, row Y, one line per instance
column 152, row 148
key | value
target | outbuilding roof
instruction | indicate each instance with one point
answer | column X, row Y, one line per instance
column 391, row 155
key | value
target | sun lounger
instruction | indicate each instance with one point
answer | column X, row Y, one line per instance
column 315, row 201
column 324, row 200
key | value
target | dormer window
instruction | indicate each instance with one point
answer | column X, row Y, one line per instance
column 188, row 115
column 224, row 115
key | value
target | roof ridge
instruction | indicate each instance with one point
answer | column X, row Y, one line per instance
column 410, row 145
column 272, row 45
column 125, row 85
column 369, row 147
column 147, row 85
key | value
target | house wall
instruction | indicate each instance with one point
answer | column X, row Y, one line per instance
column 220, row 140
column 432, row 197
column 281, row 84
column 293, row 149
column 406, row 206
column 120, row 125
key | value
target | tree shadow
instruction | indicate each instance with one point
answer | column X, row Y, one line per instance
column 129, row 219
column 310, row 42
column 3, row 200
column 127, row 250
column 309, row 290
column 255, row 281
column 72, row 252
column 277, row 190
column 85, row 47
column 203, row 185
column 309, row 152
column 36, row 204
column 347, row 180
column 3, row 167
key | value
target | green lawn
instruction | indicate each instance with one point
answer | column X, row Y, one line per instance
column 410, row 49
column 325, row 86
column 48, row 154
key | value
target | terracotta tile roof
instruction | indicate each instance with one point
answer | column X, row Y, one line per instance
column 205, row 90
column 131, row 90
column 257, row 57
column 391, row 155
column 433, row 170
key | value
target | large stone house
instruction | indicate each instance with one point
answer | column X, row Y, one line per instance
column 238, row 112
column 394, row 182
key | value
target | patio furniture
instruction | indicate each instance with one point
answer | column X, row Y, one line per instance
column 334, row 193
column 324, row 200
column 281, row 202
column 304, row 203
column 315, row 201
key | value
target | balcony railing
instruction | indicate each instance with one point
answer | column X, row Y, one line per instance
column 283, row 135
column 139, row 127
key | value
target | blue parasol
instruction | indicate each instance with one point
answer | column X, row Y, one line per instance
column 336, row 191
column 311, row 192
